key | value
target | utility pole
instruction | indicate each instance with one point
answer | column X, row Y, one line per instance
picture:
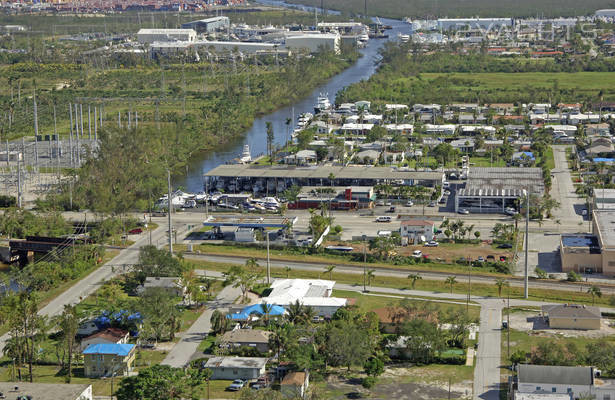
column 90, row 122
column 170, row 205
column 268, row 263
column 527, row 223
column 364, row 263
column 18, row 182
column 35, row 129
column 469, row 285
column 508, row 323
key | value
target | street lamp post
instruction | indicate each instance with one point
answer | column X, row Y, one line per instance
column 268, row 264
column 527, row 222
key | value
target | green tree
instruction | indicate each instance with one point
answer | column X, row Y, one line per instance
column 287, row 269
column 161, row 382
column 594, row 291
column 155, row 262
column 374, row 366
column 68, row 324
column 218, row 321
column 501, row 283
column 160, row 314
column 329, row 270
column 413, row 278
column 451, row 280
column 241, row 278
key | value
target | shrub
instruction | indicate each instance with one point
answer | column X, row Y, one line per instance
column 7, row 201
column 368, row 382
column 541, row 273
column 573, row 277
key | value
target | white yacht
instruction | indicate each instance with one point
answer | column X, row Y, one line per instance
column 246, row 157
column 403, row 37
column 323, row 103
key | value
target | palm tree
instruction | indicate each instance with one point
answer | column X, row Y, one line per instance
column 370, row 276
column 595, row 292
column 287, row 270
column 266, row 311
column 451, row 280
column 252, row 264
column 500, row 283
column 330, row 269
column 68, row 323
column 413, row 278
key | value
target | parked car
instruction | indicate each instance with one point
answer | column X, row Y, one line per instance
column 504, row 324
column 446, row 184
column 502, row 258
column 384, row 218
column 409, row 203
column 391, row 210
column 447, row 192
column 380, row 203
column 236, row 385
column 388, row 203
column 135, row 231
column 510, row 211
column 490, row 257
column 505, row 246
column 480, row 259
column 432, row 204
column 443, row 200
column 463, row 211
column 431, row 243
column 417, row 254
column 584, row 212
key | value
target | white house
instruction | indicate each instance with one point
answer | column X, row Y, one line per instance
column 448, row 129
column 417, row 230
column 231, row 368
column 573, row 381
column 166, row 35
column 302, row 157
column 314, row 293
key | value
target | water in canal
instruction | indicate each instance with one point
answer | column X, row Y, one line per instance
column 256, row 137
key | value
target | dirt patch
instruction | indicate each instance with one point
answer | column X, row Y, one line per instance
column 392, row 385
column 528, row 321
column 461, row 389
column 164, row 346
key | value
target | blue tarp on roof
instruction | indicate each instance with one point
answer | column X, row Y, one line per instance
column 257, row 309
column 598, row 159
column 120, row 349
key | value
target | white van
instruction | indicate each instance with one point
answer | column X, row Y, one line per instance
column 384, row 218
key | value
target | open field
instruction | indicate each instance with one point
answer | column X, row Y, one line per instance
column 468, row 8
column 486, row 87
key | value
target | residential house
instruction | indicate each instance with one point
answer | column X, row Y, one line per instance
column 572, row 316
column 476, row 129
column 295, row 384
column 108, row 359
column 467, row 119
column 302, row 157
column 255, row 338
column 601, row 129
column 417, row 230
column 46, row 391
column 502, row 108
column 170, row 284
column 354, row 129
column 575, row 119
column 403, row 129
column 393, row 156
column 368, row 156
column 576, row 382
column 600, row 147
column 231, row 368
column 464, row 107
column 569, row 108
column 108, row 336
column 448, row 129
column 465, row 145
column 315, row 293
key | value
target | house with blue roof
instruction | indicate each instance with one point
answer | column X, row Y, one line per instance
column 107, row 359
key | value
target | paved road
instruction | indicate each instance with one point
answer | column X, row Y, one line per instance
column 487, row 370
column 182, row 352
column 94, row 280
column 563, row 190
column 401, row 273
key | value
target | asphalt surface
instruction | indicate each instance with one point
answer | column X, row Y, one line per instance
column 182, row 352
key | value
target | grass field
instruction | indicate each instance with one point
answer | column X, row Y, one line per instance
column 434, row 286
column 483, row 87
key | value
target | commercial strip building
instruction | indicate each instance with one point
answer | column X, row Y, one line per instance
column 591, row 253
column 340, row 198
column 278, row 178
column 492, row 190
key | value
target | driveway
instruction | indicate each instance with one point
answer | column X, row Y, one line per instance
column 182, row 352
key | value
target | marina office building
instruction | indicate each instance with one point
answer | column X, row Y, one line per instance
column 276, row 178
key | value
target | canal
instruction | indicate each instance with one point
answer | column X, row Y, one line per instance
column 255, row 137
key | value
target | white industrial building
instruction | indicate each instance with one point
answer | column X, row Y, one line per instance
column 242, row 47
column 315, row 293
column 314, row 42
column 447, row 24
column 605, row 13
column 166, row 35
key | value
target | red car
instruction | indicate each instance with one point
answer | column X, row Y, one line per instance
column 135, row 231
